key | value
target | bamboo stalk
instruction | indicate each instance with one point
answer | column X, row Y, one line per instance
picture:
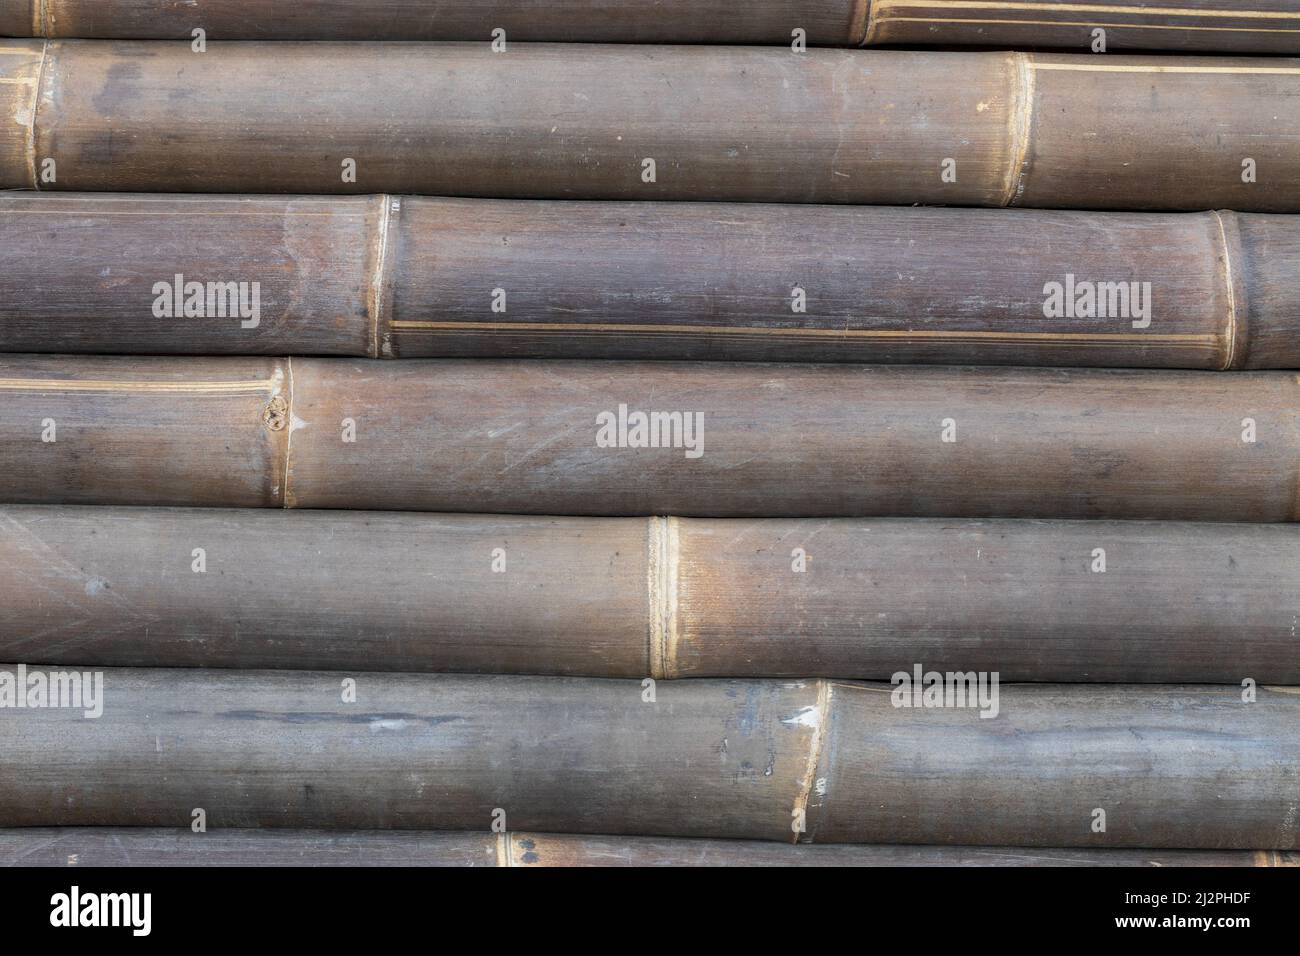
column 1215, row 26
column 143, row 846
column 627, row 597
column 729, row 440
column 830, row 763
column 825, row 22
column 417, row 277
column 1210, row 26
column 610, row 122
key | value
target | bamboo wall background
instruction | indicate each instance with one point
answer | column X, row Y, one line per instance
column 437, row 611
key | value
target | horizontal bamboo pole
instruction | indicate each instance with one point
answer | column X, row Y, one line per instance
column 416, row 277
column 725, row 439
column 1096, row 766
column 1210, row 26
column 616, row 122
column 1215, row 26
column 627, row 597
column 144, row 846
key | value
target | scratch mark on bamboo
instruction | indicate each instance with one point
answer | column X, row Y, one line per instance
column 885, row 5
column 417, row 326
column 91, row 385
column 1161, row 68
column 379, row 277
column 809, row 779
column 1091, row 23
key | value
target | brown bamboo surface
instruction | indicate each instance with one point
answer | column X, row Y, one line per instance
column 416, row 277
column 553, row 437
column 566, row 121
column 1216, row 26
column 145, row 846
column 827, row 762
column 664, row 597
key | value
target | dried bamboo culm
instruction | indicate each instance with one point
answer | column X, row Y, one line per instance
column 1016, row 764
column 606, row 122
column 145, row 846
column 652, row 438
column 629, row 597
column 1227, row 26
column 417, row 277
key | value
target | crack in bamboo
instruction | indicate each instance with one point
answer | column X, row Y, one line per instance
column 31, row 121
column 1020, row 125
column 809, row 779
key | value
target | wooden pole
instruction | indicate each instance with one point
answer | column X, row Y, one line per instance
column 1030, row 764
column 728, row 439
column 570, row 121
column 627, row 597
column 422, row 277
column 145, row 846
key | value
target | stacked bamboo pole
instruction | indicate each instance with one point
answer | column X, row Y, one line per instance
column 627, row 597
column 639, row 618
column 680, row 123
column 819, row 761
column 145, row 846
column 1228, row 26
column 424, row 277
column 729, row 440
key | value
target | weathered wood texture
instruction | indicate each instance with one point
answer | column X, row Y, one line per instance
column 415, row 277
column 525, row 437
column 705, row 758
column 1234, row 26
column 723, row 123
column 626, row 597
column 145, row 846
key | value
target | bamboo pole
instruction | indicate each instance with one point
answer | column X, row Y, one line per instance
column 627, row 597
column 679, row 123
column 728, row 439
column 417, row 277
column 828, row 763
column 1213, row 26
column 143, row 846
